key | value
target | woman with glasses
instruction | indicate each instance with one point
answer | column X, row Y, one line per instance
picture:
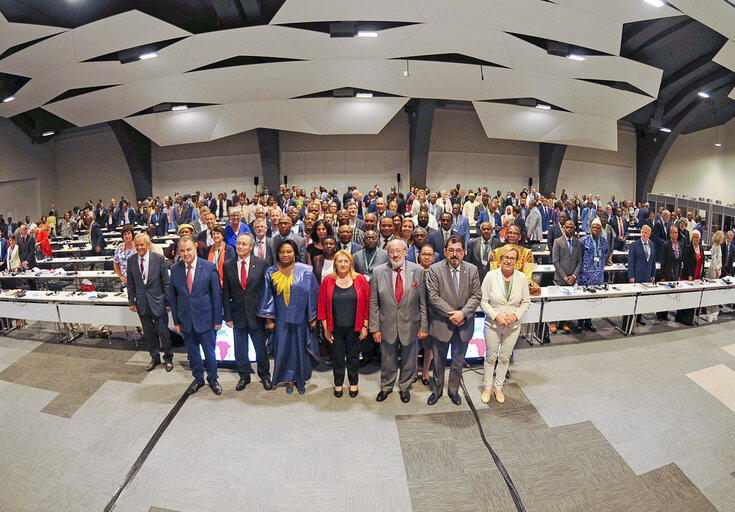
column 505, row 299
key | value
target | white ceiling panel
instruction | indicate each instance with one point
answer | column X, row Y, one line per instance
column 91, row 108
column 127, row 30
column 25, row 99
column 53, row 53
column 255, row 82
column 332, row 116
column 262, row 40
column 169, row 128
column 719, row 15
column 64, row 79
column 726, row 56
column 278, row 115
column 297, row 11
column 605, row 102
column 431, row 39
column 482, row 14
column 13, row 34
column 365, row 74
column 513, row 122
column 623, row 11
column 527, row 56
column 178, row 89
column 586, row 131
column 573, row 27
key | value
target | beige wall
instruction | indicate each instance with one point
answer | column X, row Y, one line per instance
column 695, row 167
column 92, row 167
column 22, row 160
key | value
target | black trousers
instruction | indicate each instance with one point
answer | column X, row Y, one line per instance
column 155, row 329
column 440, row 350
column 346, row 348
column 258, row 336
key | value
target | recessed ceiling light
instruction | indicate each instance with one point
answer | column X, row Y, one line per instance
column 364, row 95
column 8, row 99
column 666, row 130
column 542, row 106
column 655, row 3
column 47, row 134
column 367, row 33
column 150, row 55
column 718, row 144
column 702, row 94
column 574, row 56
column 179, row 107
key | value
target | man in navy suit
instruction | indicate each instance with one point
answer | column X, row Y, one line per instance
column 243, row 280
column 642, row 262
column 158, row 220
column 438, row 238
column 125, row 215
column 486, row 214
column 660, row 234
column 196, row 307
column 460, row 223
column 545, row 214
column 620, row 229
column 345, row 233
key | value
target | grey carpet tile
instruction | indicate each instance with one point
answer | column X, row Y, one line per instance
column 159, row 509
column 431, row 459
column 574, row 501
column 451, row 493
column 722, row 494
column 670, row 485
column 630, row 495
column 63, row 497
column 698, row 503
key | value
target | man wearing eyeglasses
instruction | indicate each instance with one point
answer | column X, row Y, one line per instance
column 454, row 294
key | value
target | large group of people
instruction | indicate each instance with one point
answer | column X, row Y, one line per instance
column 347, row 278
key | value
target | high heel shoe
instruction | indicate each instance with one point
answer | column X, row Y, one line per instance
column 338, row 394
column 353, row 394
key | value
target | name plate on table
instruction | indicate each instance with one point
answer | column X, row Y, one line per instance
column 671, row 301
column 575, row 308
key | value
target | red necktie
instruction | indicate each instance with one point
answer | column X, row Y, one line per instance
column 260, row 248
column 189, row 280
column 243, row 275
column 399, row 286
column 142, row 270
column 385, row 244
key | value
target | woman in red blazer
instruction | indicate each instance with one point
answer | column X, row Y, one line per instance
column 344, row 297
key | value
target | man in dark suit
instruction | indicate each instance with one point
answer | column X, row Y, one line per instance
column 158, row 220
column 643, row 214
column 480, row 249
column 371, row 256
column 222, row 206
column 243, row 278
column 660, row 233
column 642, row 262
column 381, row 209
column 672, row 259
column 196, row 307
column 454, row 294
column 26, row 247
column 125, row 215
column 728, row 254
column 285, row 202
column 556, row 230
column 205, row 235
column 620, row 229
column 545, row 214
column 518, row 221
column 263, row 245
column 566, row 257
column 148, row 290
column 181, row 213
column 438, row 239
column 345, row 240
column 284, row 233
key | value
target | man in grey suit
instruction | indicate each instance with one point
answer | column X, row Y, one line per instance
column 371, row 256
column 480, row 249
column 454, row 294
column 148, row 287
column 534, row 230
column 567, row 259
column 284, row 233
column 398, row 317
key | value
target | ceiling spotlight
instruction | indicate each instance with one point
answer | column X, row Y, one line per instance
column 47, row 134
column 718, row 144
column 703, row 94
column 542, row 106
column 574, row 56
column 655, row 3
column 666, row 130
column 8, row 99
column 364, row 95
column 364, row 33
column 405, row 72
column 149, row 55
column 176, row 108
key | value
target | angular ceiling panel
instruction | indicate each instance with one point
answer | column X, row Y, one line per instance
column 365, row 74
column 184, row 127
column 50, row 54
column 92, row 108
column 177, row 89
column 719, row 15
column 481, row 14
column 13, row 34
column 331, row 116
column 296, row 11
column 277, row 115
column 623, row 11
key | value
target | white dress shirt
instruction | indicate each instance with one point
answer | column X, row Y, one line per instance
column 144, row 263
column 239, row 267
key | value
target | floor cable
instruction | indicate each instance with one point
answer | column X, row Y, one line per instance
column 147, row 450
column 501, row 467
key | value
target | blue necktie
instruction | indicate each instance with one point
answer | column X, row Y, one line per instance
column 570, row 246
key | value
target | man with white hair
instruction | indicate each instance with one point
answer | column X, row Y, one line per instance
column 660, row 236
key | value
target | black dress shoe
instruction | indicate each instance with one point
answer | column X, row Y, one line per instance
column 546, row 340
column 169, row 366
column 353, row 394
column 382, row 396
column 216, row 388
column 194, row 387
column 455, row 398
column 405, row 396
column 425, row 382
column 590, row 328
column 267, row 384
column 338, row 394
column 152, row 365
column 433, row 399
column 640, row 321
column 242, row 383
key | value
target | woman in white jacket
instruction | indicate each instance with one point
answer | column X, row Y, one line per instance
column 505, row 299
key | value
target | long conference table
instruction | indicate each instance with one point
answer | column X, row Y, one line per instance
column 555, row 304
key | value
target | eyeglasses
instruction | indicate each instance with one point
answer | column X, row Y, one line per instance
column 509, row 259
column 393, row 252
column 454, row 251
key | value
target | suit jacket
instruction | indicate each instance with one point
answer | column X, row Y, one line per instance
column 152, row 294
column 639, row 268
column 4, row 253
column 120, row 219
column 670, row 264
column 181, row 218
column 436, row 239
column 201, row 309
column 96, row 237
column 660, row 235
column 270, row 255
column 381, row 257
column 444, row 298
column 485, row 217
column 534, row 225
column 300, row 243
column 474, row 255
column 689, row 266
column 158, row 221
column 462, row 226
column 493, row 301
column 554, row 232
column 27, row 249
column 241, row 306
column 566, row 263
column 354, row 247
column 398, row 321
column 642, row 215
column 728, row 256
column 221, row 208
